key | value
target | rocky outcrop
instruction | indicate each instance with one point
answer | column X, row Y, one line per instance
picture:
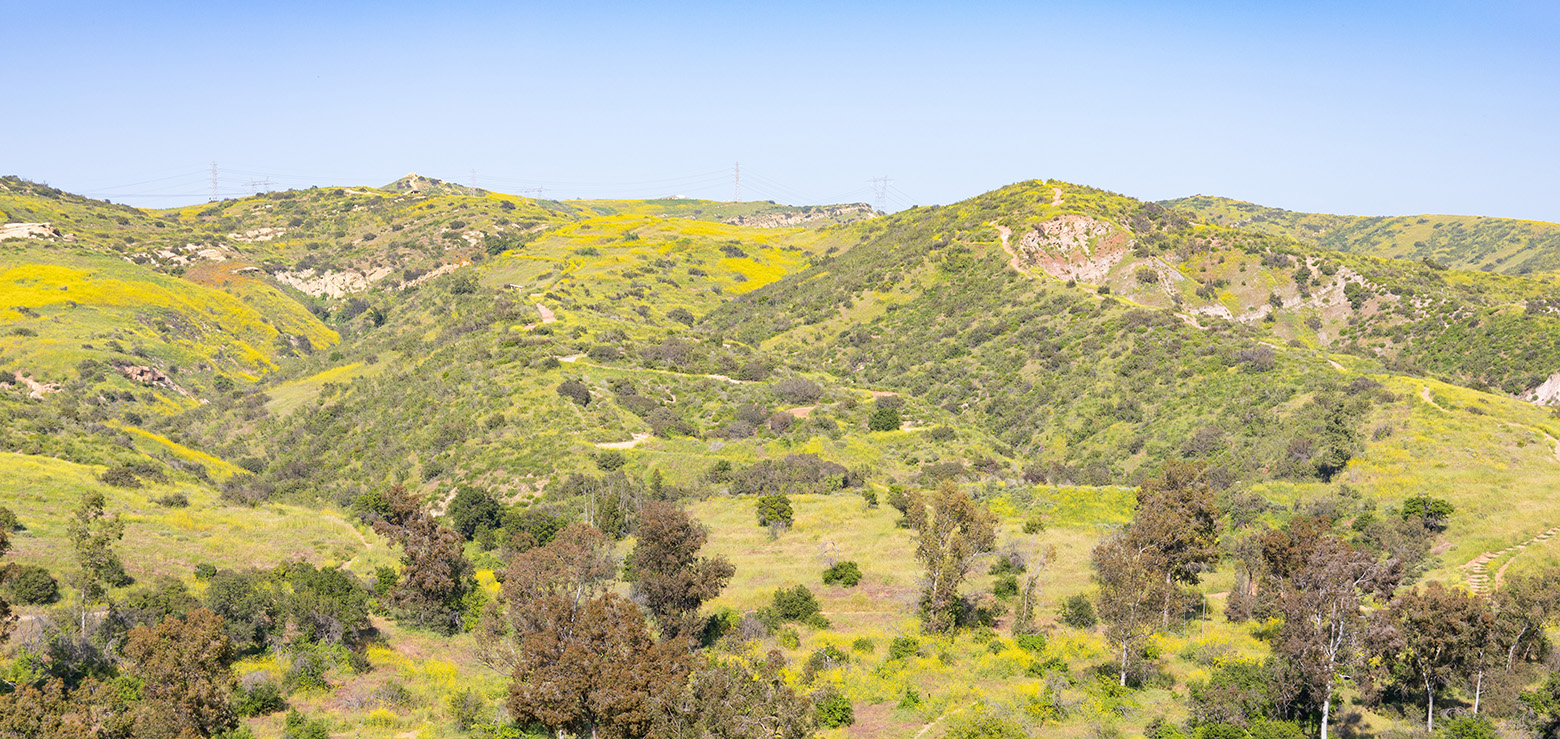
column 150, row 376
column 1074, row 247
column 27, row 231
column 1547, row 392
column 332, row 283
column 257, row 234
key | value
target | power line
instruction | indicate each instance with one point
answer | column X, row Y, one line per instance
column 213, row 183
column 880, row 192
column 736, row 182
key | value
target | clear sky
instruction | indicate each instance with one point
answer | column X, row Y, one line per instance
column 1349, row 107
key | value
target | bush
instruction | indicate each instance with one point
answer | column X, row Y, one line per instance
column 799, row 391
column 775, row 509
column 610, row 460
column 863, row 644
column 257, row 695
column 298, row 726
column 983, row 723
column 1078, row 612
column 31, row 585
column 1030, row 642
column 576, row 391
column 464, row 707
column 681, row 315
column 835, row 711
column 8, row 520
column 884, row 419
column 1462, row 727
column 846, row 574
column 795, row 603
column 173, row 500
column 119, row 477
column 205, row 571
column 1291, row 730
column 903, row 646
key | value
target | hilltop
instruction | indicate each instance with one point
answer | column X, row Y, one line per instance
column 1502, row 245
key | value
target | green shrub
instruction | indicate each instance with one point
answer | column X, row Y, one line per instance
column 299, row 726
column 610, row 460
column 863, row 644
column 903, row 646
column 205, row 571
column 835, row 711
column 1291, row 730
column 8, row 520
column 775, row 509
column 846, row 574
column 884, row 419
column 1030, row 642
column 576, row 391
column 984, row 723
column 1078, row 612
column 259, row 695
column 1462, row 727
column 464, row 708
column 795, row 603
column 31, row 585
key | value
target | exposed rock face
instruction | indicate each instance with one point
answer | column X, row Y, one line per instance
column 1547, row 393
column 36, row 390
column 150, row 376
column 185, row 255
column 417, row 184
column 840, row 213
column 331, row 283
column 27, row 231
column 1074, row 247
column 257, row 234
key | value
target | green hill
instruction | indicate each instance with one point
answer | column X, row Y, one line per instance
column 1503, row 245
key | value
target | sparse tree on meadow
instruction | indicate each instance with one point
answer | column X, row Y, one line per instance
column 92, row 533
column 952, row 529
column 1428, row 636
column 671, row 578
column 182, row 666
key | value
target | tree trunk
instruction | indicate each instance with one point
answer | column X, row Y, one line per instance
column 1326, row 708
column 1478, row 689
column 1429, row 707
column 1123, row 663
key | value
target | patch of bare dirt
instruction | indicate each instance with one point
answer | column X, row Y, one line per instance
column 37, row 389
column 801, row 411
column 630, row 444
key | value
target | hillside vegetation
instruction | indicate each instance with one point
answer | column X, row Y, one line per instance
column 417, row 460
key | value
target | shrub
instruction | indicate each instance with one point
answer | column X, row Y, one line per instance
column 576, row 391
column 795, row 603
column 1432, row 511
column 884, row 419
column 31, row 585
column 941, row 433
column 903, row 646
column 1462, row 727
column 610, row 460
column 205, row 571
column 798, row 390
column 984, row 723
column 1030, row 642
column 464, row 708
column 1034, row 524
column 8, row 520
column 1078, row 612
column 775, row 509
column 863, row 644
column 119, row 477
column 173, row 500
column 257, row 695
column 298, row 726
column 846, row 574
column 681, row 315
column 1291, row 730
column 834, row 711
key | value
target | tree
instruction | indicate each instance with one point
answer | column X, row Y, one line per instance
column 1321, row 599
column 884, row 419
column 951, row 531
column 7, row 619
column 1177, row 524
column 472, row 511
column 435, row 574
column 1427, row 635
column 185, row 681
column 92, row 534
column 741, row 700
column 670, row 577
column 583, row 659
column 1132, row 586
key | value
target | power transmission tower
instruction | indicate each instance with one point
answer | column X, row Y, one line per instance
column 473, row 178
column 539, row 192
column 213, row 183
column 736, row 182
column 880, row 189
column 260, row 186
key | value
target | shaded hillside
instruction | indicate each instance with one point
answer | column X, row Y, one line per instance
column 1504, row 245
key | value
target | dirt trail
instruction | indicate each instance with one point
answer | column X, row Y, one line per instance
column 801, row 411
column 1424, row 394
column 1006, row 235
column 939, row 719
column 546, row 313
column 1056, row 196
column 630, row 444
column 38, row 389
column 1478, row 569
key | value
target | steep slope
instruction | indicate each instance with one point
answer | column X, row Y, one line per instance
column 1504, row 245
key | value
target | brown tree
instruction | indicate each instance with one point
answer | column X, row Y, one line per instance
column 671, row 579
column 951, row 531
column 741, row 700
column 7, row 619
column 435, row 574
column 183, row 667
column 582, row 659
column 1321, row 596
column 94, row 710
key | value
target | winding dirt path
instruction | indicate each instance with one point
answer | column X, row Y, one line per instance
column 1424, row 394
column 1056, row 196
column 630, row 444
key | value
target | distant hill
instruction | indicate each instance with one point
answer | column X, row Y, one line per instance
column 1503, row 245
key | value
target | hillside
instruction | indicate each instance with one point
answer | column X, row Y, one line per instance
column 252, row 383
column 1502, row 245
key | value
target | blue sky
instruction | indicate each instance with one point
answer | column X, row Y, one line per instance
column 1365, row 108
